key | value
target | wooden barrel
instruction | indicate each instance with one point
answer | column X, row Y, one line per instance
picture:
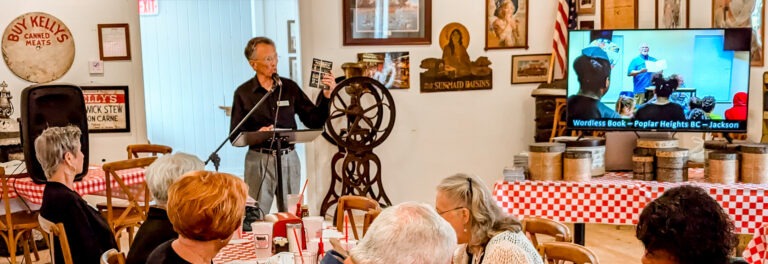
column 545, row 161
column 577, row 166
column 723, row 167
column 671, row 165
column 642, row 168
column 719, row 145
column 656, row 143
column 754, row 163
column 594, row 145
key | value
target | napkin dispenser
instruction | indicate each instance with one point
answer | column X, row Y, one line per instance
column 279, row 221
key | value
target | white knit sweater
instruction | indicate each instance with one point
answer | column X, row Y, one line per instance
column 506, row 247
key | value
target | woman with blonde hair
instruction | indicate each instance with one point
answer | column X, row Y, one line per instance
column 205, row 208
column 485, row 233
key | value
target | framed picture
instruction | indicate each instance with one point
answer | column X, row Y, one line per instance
column 585, row 7
column 387, row 22
column 506, row 24
column 293, row 67
column 618, row 14
column 114, row 42
column 672, row 13
column 530, row 68
column 107, row 108
column 586, row 24
column 292, row 36
column 742, row 14
column 392, row 69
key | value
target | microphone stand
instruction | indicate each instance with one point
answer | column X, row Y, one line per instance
column 215, row 156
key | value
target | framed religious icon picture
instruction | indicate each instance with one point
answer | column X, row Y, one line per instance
column 585, row 7
column 530, row 68
column 618, row 14
column 387, row 22
column 107, row 108
column 506, row 24
column 672, row 13
column 742, row 14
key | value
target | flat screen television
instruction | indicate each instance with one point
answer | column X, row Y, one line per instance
column 658, row 79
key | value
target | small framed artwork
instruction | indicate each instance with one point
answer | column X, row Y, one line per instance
column 114, row 42
column 585, row 7
column 387, row 22
column 742, row 14
column 586, row 24
column 107, row 109
column 530, row 68
column 292, row 36
column 506, row 24
column 672, row 13
column 618, row 14
column 293, row 67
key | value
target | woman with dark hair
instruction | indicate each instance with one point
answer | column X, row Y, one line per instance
column 455, row 55
column 662, row 109
column 685, row 226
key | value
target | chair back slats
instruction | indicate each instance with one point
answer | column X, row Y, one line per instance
column 151, row 149
column 537, row 225
column 349, row 203
column 133, row 207
column 56, row 230
column 558, row 252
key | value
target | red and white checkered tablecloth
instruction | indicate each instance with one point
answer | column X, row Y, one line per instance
column 617, row 199
column 756, row 251
column 239, row 251
column 93, row 182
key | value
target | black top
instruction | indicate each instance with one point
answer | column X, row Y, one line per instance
column 293, row 102
column 153, row 232
column 87, row 232
column 164, row 254
column 655, row 112
column 586, row 108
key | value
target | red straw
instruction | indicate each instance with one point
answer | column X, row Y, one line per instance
column 346, row 229
column 296, row 236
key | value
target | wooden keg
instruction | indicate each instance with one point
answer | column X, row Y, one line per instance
column 642, row 168
column 577, row 165
column 671, row 165
column 545, row 106
column 656, row 143
column 719, row 145
column 723, row 167
column 545, row 161
column 595, row 145
column 754, row 163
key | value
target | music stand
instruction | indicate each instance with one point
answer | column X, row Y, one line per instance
column 250, row 138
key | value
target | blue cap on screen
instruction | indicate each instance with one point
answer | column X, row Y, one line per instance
column 595, row 52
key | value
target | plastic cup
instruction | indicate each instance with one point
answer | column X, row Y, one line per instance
column 305, row 257
column 313, row 225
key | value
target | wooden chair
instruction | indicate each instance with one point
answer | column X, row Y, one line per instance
column 559, row 123
column 543, row 226
column 17, row 226
column 112, row 257
column 562, row 252
column 351, row 202
column 56, row 230
column 152, row 149
column 131, row 212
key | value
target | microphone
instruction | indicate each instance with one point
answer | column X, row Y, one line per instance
column 276, row 80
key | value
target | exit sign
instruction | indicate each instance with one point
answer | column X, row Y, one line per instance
column 148, row 7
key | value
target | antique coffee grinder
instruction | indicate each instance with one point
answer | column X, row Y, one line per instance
column 6, row 107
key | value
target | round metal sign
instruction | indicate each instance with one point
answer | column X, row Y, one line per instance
column 38, row 47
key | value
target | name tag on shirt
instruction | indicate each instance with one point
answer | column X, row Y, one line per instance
column 283, row 103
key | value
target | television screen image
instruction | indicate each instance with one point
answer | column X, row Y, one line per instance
column 658, row 80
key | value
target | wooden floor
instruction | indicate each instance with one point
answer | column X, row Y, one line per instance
column 611, row 245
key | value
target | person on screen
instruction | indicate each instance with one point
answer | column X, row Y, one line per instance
column 641, row 78
column 625, row 106
column 708, row 105
column 593, row 70
column 739, row 109
column 698, row 114
column 662, row 109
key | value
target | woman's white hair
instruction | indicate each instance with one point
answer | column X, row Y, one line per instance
column 53, row 143
column 486, row 217
column 166, row 169
column 409, row 232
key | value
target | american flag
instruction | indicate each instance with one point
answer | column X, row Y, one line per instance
column 566, row 12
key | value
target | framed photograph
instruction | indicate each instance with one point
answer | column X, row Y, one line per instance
column 585, row 7
column 530, row 68
column 618, row 14
column 586, row 24
column 293, row 67
column 114, row 42
column 107, row 109
column 292, row 30
column 392, row 69
column 742, row 14
column 672, row 13
column 387, row 22
column 506, row 24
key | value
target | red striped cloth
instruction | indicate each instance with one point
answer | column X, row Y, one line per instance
column 565, row 19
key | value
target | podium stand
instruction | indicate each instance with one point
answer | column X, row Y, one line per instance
column 289, row 136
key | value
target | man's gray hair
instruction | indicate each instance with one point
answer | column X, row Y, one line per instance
column 53, row 143
column 166, row 169
column 409, row 232
column 251, row 46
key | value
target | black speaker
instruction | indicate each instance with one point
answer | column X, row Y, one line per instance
column 51, row 105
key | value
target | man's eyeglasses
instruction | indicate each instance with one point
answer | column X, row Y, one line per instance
column 454, row 209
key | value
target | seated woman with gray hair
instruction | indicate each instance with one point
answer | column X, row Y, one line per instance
column 205, row 209
column 158, row 228
column 485, row 233
column 58, row 151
